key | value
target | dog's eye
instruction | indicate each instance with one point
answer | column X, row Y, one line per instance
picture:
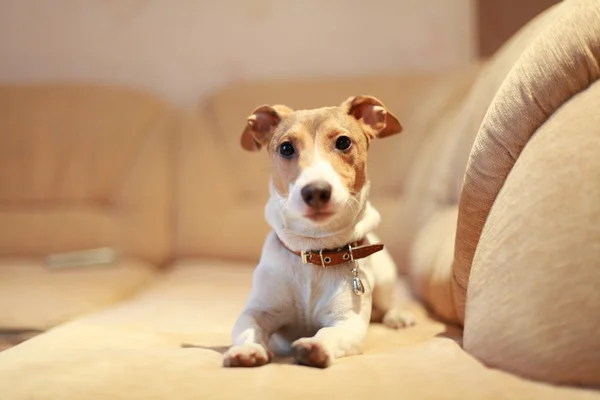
column 343, row 143
column 286, row 149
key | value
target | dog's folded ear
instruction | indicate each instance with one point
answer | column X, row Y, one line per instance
column 377, row 121
column 260, row 126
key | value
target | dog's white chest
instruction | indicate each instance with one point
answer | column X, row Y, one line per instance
column 311, row 295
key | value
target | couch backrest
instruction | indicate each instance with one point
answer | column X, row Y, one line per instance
column 83, row 167
column 223, row 189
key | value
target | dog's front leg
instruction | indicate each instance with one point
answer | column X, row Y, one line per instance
column 250, row 338
column 341, row 339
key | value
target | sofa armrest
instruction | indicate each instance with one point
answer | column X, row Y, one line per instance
column 562, row 60
column 533, row 301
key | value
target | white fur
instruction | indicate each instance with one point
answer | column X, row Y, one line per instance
column 318, row 170
column 313, row 310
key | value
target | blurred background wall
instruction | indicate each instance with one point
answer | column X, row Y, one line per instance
column 498, row 20
column 183, row 49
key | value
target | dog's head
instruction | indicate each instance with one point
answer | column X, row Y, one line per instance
column 319, row 156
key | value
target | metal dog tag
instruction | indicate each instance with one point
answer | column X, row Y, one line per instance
column 357, row 285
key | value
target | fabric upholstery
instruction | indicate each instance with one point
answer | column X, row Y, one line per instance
column 432, row 248
column 84, row 167
column 81, row 167
column 167, row 342
column 533, row 301
column 434, row 181
column 562, row 60
column 33, row 297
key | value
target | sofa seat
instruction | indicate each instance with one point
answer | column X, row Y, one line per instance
column 35, row 298
column 167, row 342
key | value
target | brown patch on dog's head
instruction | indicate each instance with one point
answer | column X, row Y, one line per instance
column 318, row 133
column 376, row 120
column 261, row 124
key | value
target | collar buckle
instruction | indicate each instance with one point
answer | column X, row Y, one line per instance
column 305, row 257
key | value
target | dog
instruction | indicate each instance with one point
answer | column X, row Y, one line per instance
column 322, row 276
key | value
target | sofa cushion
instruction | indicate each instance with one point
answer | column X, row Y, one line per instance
column 432, row 249
column 84, row 167
column 537, row 265
column 34, row 297
column 167, row 343
column 562, row 60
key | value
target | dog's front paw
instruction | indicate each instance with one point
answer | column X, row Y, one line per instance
column 248, row 355
column 397, row 319
column 311, row 353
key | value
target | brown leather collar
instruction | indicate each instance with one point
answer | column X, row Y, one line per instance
column 328, row 257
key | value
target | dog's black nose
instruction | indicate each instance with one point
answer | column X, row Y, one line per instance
column 316, row 194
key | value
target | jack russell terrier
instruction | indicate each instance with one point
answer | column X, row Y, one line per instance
column 322, row 276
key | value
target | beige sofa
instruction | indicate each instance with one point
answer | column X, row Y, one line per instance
column 490, row 201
